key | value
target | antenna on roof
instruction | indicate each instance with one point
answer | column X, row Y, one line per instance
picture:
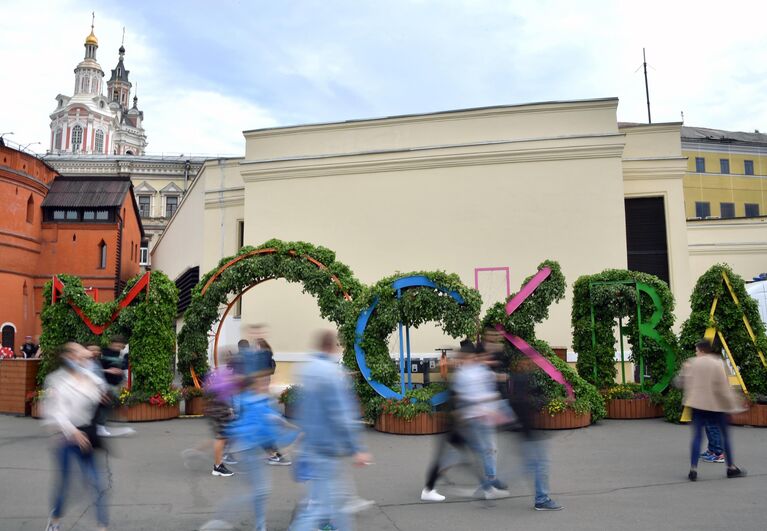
column 646, row 86
column 123, row 41
column 682, row 113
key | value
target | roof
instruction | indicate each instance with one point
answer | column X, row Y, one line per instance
column 721, row 136
column 119, row 73
column 87, row 192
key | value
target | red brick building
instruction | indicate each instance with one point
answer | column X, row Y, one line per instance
column 50, row 225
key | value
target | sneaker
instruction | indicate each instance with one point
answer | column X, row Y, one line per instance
column 693, row 475
column 357, row 505
column 548, row 505
column 278, row 460
column 500, row 485
column 491, row 493
column 713, row 458
column 216, row 525
column 736, row 472
column 431, row 496
column 707, row 453
column 229, row 460
column 102, row 431
column 327, row 527
column 221, row 470
column 124, row 431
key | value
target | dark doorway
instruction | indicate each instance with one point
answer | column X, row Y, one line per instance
column 646, row 236
column 9, row 337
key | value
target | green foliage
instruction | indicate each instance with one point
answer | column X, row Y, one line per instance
column 417, row 306
column 169, row 397
column 611, row 302
column 672, row 405
column 415, row 401
column 290, row 395
column 629, row 391
column 148, row 323
column 728, row 319
column 522, row 323
column 289, row 262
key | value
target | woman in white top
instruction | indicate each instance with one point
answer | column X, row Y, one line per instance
column 72, row 394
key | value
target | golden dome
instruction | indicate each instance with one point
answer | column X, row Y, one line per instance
column 91, row 39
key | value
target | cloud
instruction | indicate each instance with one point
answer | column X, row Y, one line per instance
column 39, row 49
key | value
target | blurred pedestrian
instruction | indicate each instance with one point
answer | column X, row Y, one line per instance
column 480, row 410
column 526, row 400
column 29, row 349
column 72, row 394
column 708, row 393
column 328, row 414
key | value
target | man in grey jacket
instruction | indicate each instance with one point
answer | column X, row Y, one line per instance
column 328, row 415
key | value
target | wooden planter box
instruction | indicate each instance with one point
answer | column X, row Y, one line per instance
column 17, row 378
column 36, row 409
column 145, row 413
column 633, row 408
column 194, row 406
column 566, row 420
column 755, row 415
column 421, row 424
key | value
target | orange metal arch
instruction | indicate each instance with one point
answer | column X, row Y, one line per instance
column 231, row 304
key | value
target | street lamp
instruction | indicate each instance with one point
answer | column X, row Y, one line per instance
column 30, row 144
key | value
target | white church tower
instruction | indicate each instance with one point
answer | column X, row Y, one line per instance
column 92, row 124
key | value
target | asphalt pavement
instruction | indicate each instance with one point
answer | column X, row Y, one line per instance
column 616, row 475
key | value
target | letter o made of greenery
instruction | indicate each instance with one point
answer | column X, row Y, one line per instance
column 329, row 281
column 425, row 296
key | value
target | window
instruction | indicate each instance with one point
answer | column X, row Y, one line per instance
column 144, row 254
column 700, row 165
column 58, row 214
column 89, row 215
column 752, row 210
column 240, row 234
column 171, row 204
column 748, row 167
column 99, row 141
column 724, row 165
column 702, row 209
column 102, row 215
column 72, row 215
column 144, row 205
column 57, row 139
column 30, row 209
column 102, row 255
column 77, row 138
column 727, row 210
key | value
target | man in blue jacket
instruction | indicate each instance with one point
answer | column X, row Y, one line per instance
column 328, row 414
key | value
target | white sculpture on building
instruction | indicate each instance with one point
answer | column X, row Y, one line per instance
column 89, row 122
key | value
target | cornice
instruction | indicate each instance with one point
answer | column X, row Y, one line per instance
column 427, row 159
column 730, row 248
column 453, row 115
column 637, row 169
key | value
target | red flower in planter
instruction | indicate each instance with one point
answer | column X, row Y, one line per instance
column 157, row 400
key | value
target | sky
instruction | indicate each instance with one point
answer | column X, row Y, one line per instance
column 205, row 71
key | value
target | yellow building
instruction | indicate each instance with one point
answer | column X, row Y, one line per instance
column 726, row 173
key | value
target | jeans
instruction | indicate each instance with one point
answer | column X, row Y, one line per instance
column 481, row 439
column 714, row 437
column 63, row 454
column 701, row 419
column 253, row 469
column 536, row 458
column 325, row 497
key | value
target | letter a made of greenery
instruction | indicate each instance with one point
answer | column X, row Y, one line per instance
column 647, row 304
column 728, row 320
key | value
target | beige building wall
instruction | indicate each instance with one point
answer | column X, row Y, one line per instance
column 653, row 166
column 741, row 243
column 453, row 191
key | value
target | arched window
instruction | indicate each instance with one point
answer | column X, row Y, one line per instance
column 8, row 335
column 99, row 141
column 30, row 209
column 77, row 138
column 102, row 255
column 57, row 139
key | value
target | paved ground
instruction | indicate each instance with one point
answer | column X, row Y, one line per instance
column 618, row 475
